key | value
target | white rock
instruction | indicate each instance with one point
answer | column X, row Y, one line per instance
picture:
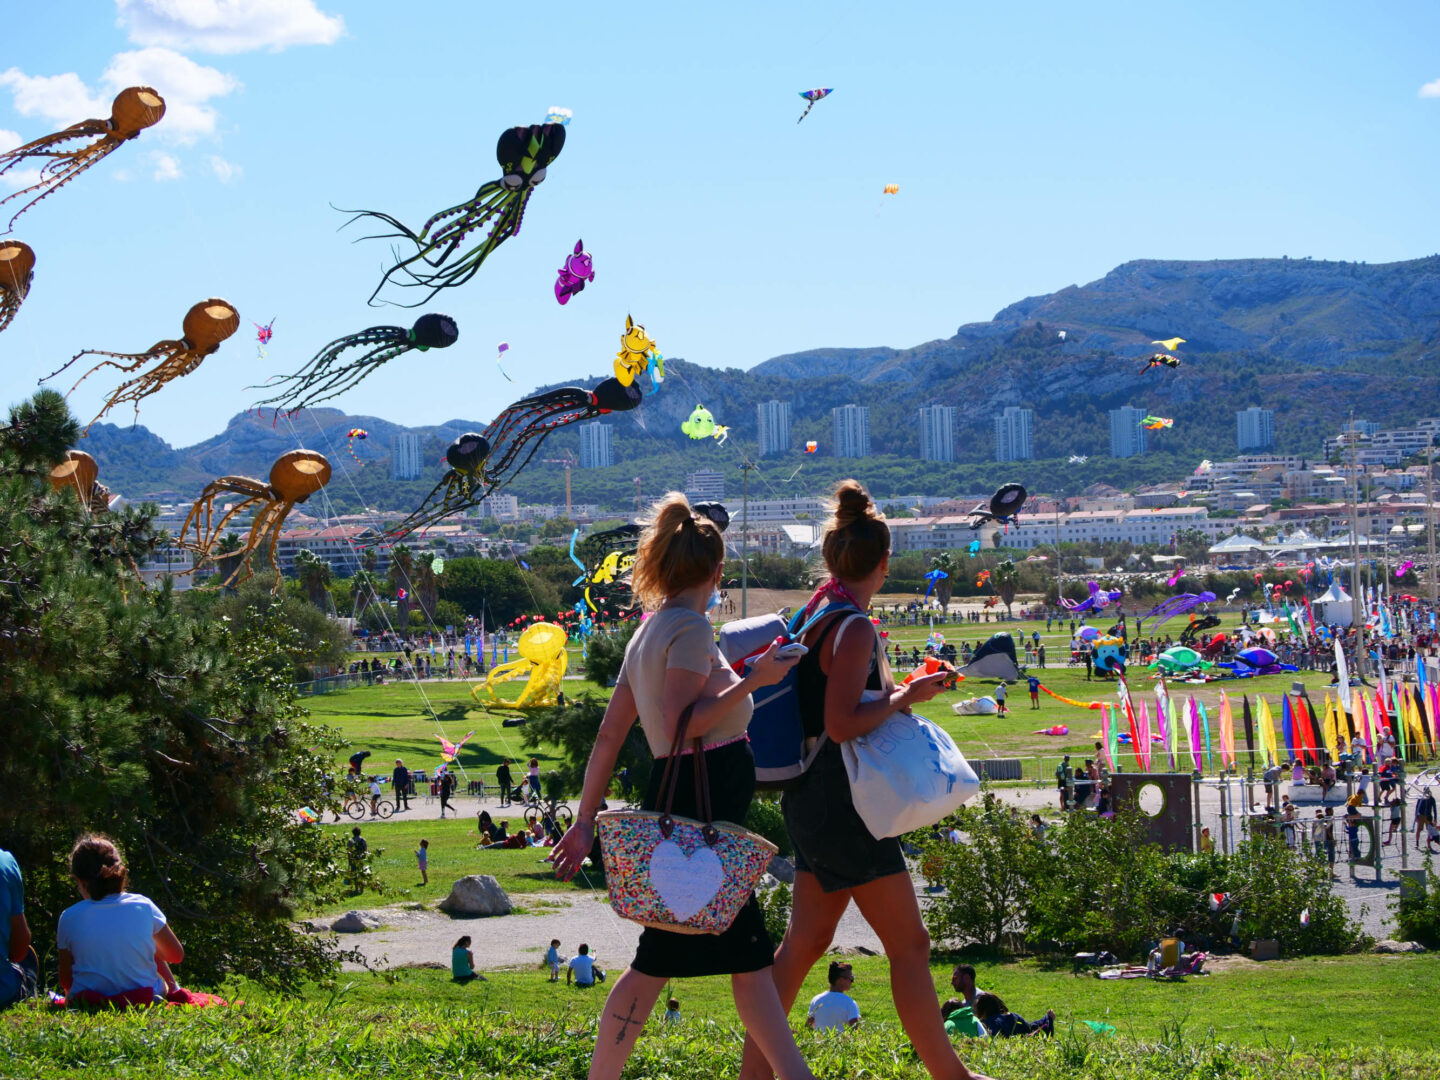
column 355, row 922
column 477, row 894
column 1389, row 945
column 781, row 869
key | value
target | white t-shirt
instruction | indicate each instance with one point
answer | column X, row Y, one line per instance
column 112, row 942
column 584, row 968
column 833, row 1010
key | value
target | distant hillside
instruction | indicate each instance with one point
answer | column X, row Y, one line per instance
column 1310, row 340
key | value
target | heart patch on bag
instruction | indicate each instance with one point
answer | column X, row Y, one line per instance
column 686, row 883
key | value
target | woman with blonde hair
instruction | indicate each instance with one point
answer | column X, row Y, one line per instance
column 846, row 690
column 672, row 664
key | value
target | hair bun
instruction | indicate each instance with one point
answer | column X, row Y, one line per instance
column 852, row 502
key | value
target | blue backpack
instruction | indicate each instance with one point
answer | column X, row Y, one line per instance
column 777, row 734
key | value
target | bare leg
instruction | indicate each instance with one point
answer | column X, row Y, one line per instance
column 889, row 906
column 813, row 919
column 765, row 1023
column 630, row 1003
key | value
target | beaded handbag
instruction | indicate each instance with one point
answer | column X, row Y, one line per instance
column 674, row 873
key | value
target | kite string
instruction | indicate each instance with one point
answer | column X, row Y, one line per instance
column 331, row 517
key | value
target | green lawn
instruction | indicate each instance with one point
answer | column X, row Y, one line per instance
column 1356, row 1017
column 395, row 720
column 453, row 854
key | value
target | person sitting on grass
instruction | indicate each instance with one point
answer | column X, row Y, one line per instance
column 1000, row 1022
column 462, row 962
column 583, row 970
column 672, row 1011
column 960, row 1020
column 17, row 972
column 835, row 1010
column 113, row 946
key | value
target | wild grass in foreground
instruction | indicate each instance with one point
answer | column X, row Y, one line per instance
column 330, row 1039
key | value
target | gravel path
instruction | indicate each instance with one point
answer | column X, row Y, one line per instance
column 409, row 937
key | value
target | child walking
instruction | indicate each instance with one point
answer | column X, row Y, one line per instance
column 422, row 856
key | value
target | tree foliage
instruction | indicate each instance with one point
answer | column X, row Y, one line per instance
column 177, row 736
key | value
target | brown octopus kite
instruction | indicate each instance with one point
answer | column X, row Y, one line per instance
column 294, row 477
column 134, row 110
column 206, row 325
column 79, row 473
column 17, row 270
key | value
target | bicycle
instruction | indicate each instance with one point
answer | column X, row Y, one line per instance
column 547, row 811
column 357, row 808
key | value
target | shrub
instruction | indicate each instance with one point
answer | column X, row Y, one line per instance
column 987, row 879
column 765, row 818
column 1417, row 913
column 775, row 904
column 574, row 727
column 606, row 652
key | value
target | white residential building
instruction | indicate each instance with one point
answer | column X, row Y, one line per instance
column 785, row 510
column 705, row 485
column 1014, row 430
column 850, row 426
column 405, row 463
column 1127, row 437
column 937, row 433
column 773, row 418
column 595, row 446
column 499, row 507
column 1255, row 429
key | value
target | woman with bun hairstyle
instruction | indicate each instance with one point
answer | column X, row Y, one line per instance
column 846, row 690
column 671, row 664
column 113, row 944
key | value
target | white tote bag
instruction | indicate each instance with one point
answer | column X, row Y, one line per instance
column 907, row 773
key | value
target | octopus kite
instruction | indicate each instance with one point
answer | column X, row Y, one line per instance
column 442, row 260
column 542, row 662
column 813, row 96
column 17, row 270
column 636, row 351
column 79, row 473
column 1156, row 423
column 294, row 477
column 134, row 110
column 812, row 446
column 206, row 325
column 482, row 464
column 324, row 377
column 571, row 278
column 1005, row 504
column 350, row 437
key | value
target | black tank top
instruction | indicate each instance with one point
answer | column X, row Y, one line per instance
column 810, row 680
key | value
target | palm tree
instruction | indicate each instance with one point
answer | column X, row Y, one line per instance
column 1006, row 579
column 369, row 560
column 427, row 586
column 228, row 556
column 313, row 573
column 945, row 586
column 364, row 589
column 402, row 578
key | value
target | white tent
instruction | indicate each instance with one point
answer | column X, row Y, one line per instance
column 1335, row 607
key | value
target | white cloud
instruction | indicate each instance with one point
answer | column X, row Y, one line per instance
column 9, row 140
column 186, row 86
column 228, row 26
column 224, row 171
column 60, row 99
column 1431, row 89
column 166, row 167
column 16, row 178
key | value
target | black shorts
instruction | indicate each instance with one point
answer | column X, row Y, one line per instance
column 831, row 841
column 745, row 946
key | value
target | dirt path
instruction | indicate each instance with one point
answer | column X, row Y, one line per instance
column 409, row 937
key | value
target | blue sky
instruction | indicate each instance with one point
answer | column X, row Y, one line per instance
column 1035, row 146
